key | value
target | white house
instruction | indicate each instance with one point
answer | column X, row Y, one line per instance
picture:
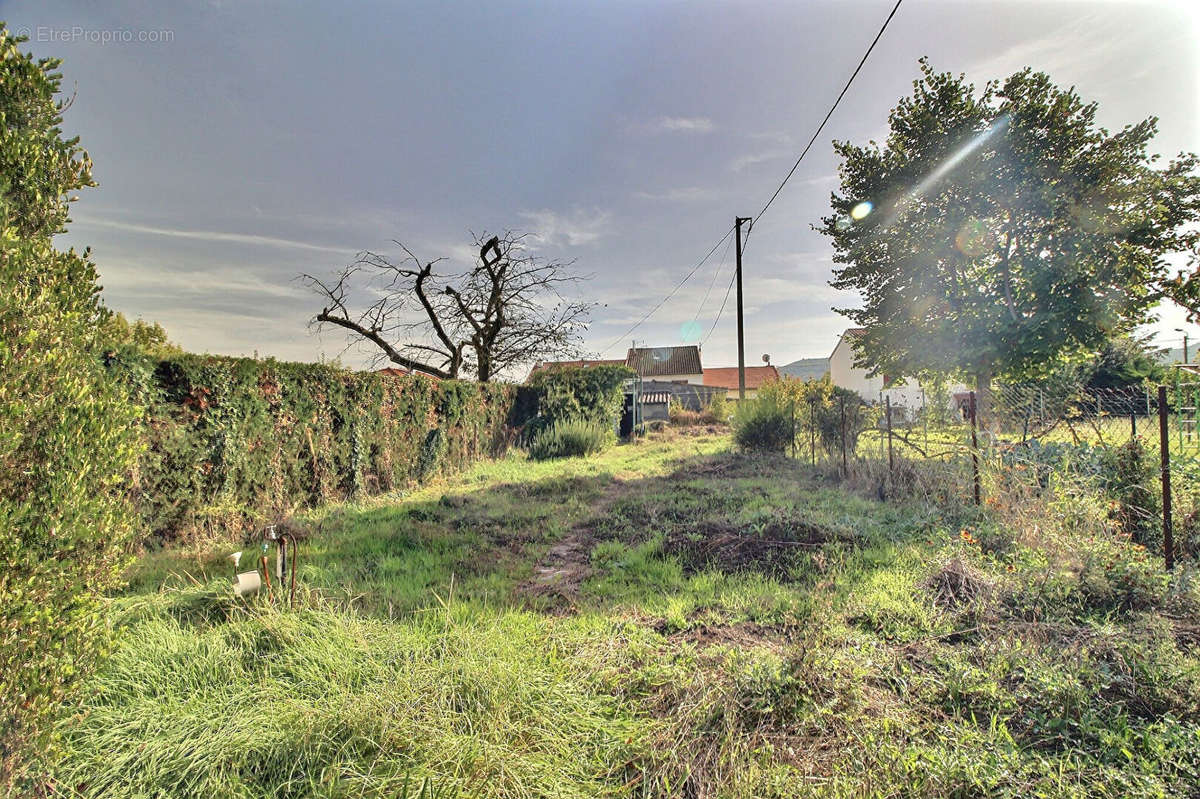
column 845, row 374
column 909, row 394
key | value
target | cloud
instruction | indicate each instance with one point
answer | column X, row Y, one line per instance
column 1071, row 54
column 686, row 194
column 752, row 159
column 669, row 124
column 211, row 235
column 579, row 227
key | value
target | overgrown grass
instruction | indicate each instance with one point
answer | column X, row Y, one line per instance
column 570, row 438
column 742, row 626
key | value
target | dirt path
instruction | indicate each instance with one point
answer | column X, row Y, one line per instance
column 564, row 567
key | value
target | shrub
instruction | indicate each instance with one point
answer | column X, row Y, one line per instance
column 819, row 405
column 715, row 412
column 569, row 438
column 69, row 434
column 763, row 425
column 1131, row 478
column 568, row 393
column 718, row 409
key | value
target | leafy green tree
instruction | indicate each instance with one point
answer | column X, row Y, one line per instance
column 148, row 338
column 1125, row 361
column 68, row 434
column 997, row 233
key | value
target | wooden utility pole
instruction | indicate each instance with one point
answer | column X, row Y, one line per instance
column 738, row 221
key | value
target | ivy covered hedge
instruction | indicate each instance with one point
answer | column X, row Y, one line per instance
column 237, row 440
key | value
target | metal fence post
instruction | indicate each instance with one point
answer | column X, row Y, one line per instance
column 1164, row 443
column 845, row 468
column 812, row 429
column 792, row 413
column 888, row 413
column 974, row 450
column 925, row 419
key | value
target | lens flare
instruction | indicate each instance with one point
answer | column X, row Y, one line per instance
column 690, row 331
column 974, row 239
column 842, row 223
column 860, row 211
column 942, row 170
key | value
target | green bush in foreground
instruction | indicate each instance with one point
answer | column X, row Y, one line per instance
column 763, row 425
column 68, row 434
column 570, row 438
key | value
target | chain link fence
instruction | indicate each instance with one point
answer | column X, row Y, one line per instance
column 977, row 439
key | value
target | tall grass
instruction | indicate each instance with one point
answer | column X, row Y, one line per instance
column 322, row 702
column 570, row 438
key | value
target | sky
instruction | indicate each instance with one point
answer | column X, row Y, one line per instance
column 240, row 143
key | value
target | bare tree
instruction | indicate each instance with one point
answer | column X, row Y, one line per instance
column 507, row 310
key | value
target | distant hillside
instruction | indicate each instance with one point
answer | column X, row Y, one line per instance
column 806, row 368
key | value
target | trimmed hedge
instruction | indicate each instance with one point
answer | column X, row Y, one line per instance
column 234, row 441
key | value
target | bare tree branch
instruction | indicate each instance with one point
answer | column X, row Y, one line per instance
column 507, row 310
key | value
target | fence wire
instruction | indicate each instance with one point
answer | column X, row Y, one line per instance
column 1025, row 425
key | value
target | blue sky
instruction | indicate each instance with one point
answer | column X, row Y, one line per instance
column 238, row 144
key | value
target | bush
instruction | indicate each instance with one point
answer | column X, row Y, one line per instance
column 819, row 405
column 69, row 435
column 1131, row 478
column 680, row 416
column 718, row 409
column 763, row 425
column 570, row 438
column 560, row 394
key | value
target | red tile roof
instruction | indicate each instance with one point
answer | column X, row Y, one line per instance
column 727, row 376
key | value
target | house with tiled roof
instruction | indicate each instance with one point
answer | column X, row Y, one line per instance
column 667, row 364
column 663, row 364
column 727, row 377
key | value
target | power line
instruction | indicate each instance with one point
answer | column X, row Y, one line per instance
column 671, row 294
column 713, row 282
column 788, row 177
column 728, row 288
column 821, row 127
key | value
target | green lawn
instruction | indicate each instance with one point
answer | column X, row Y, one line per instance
column 668, row 618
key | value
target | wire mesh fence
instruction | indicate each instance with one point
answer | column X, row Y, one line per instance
column 1032, row 428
